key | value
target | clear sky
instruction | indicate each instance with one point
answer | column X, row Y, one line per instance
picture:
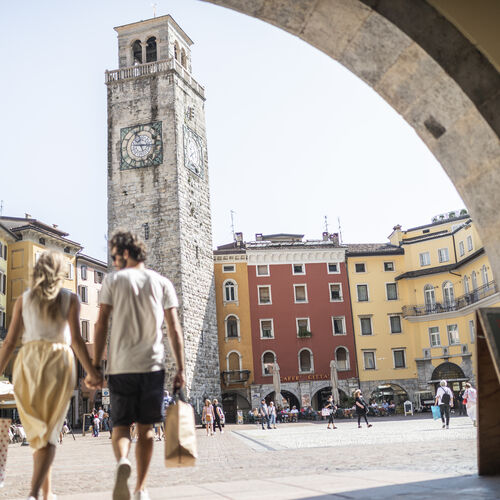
column 292, row 135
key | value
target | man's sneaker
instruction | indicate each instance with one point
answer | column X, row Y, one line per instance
column 141, row 495
column 123, row 469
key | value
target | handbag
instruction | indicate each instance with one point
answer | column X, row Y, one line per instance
column 180, row 436
column 326, row 412
column 436, row 412
column 4, row 442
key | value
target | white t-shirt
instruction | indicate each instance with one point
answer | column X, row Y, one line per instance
column 139, row 298
column 440, row 392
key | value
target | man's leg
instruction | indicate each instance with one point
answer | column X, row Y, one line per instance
column 121, row 441
column 143, row 453
column 443, row 412
column 42, row 462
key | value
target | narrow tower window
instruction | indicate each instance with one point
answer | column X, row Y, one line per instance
column 137, row 52
column 151, row 50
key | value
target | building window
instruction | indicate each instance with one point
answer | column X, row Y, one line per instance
column 388, row 266
column 151, row 49
column 41, row 241
column 98, row 277
column 362, row 291
column 472, row 331
column 83, row 292
column 3, row 251
column 266, row 329
column 443, row 255
column 434, row 337
column 230, row 291
column 305, row 361
column 2, row 319
column 333, row 268
column 233, row 361
column 484, row 275
column 429, row 298
column 399, row 357
column 183, row 58
column 360, row 267
column 303, row 327
column 268, row 360
column 85, row 330
column 262, row 270
column 425, row 259
column 453, row 338
column 366, row 325
column 461, row 248
column 369, row 360
column 228, row 268
column 469, row 243
column 69, row 271
column 298, row 269
column 232, row 327
column 392, row 291
column 3, row 283
column 336, row 292
column 342, row 358
column 300, row 293
column 176, row 50
column 264, row 294
column 395, row 322
column 338, row 325
column 466, row 285
column 448, row 294
column 137, row 52
column 83, row 272
column 473, row 278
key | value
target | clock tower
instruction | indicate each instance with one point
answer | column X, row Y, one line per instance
column 158, row 180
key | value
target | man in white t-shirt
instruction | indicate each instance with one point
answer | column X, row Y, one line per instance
column 444, row 399
column 140, row 299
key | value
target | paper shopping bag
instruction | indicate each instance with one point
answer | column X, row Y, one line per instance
column 4, row 444
column 180, row 436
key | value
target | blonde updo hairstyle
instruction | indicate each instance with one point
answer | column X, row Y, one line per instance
column 47, row 280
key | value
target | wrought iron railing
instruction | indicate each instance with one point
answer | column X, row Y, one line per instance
column 235, row 376
column 452, row 305
column 150, row 68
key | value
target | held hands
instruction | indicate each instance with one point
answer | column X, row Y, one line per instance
column 94, row 378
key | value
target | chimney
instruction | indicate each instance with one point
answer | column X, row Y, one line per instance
column 325, row 236
column 258, row 236
column 27, row 216
column 334, row 238
column 55, row 226
column 397, row 227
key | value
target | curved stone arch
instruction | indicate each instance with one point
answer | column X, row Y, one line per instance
column 284, row 387
column 427, row 70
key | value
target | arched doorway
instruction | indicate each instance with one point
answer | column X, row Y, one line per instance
column 319, row 399
column 389, row 393
column 291, row 399
column 231, row 403
column 452, row 373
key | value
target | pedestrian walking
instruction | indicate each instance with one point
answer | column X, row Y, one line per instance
column 218, row 415
column 44, row 373
column 207, row 416
column 139, row 299
column 264, row 414
column 361, row 408
column 444, row 399
column 331, row 408
column 272, row 415
column 470, row 400
column 95, row 425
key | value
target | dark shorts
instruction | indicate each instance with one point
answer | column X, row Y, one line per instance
column 137, row 397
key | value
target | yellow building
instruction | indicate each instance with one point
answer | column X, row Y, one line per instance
column 384, row 348
column 442, row 275
column 234, row 327
column 32, row 237
column 6, row 238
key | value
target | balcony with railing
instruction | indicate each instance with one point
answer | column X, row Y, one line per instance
column 452, row 305
column 151, row 68
column 235, row 376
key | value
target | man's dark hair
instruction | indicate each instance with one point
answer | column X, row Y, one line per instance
column 125, row 240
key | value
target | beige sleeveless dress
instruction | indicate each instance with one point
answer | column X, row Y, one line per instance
column 44, row 373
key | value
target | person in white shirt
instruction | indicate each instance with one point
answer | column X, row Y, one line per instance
column 470, row 394
column 140, row 300
column 444, row 399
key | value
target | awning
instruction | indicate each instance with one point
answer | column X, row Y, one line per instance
column 448, row 380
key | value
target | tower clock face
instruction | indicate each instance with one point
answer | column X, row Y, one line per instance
column 141, row 146
column 193, row 152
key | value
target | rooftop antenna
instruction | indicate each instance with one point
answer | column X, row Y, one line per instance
column 154, row 9
column 326, row 223
column 232, row 224
column 340, row 231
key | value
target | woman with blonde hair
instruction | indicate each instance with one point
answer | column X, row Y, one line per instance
column 44, row 371
column 208, row 416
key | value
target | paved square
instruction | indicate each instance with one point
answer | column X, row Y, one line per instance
column 293, row 461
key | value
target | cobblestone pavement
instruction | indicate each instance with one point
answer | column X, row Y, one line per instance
column 230, row 465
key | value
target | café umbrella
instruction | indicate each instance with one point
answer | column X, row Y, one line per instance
column 277, row 385
column 334, row 381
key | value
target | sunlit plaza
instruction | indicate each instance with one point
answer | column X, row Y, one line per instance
column 411, row 456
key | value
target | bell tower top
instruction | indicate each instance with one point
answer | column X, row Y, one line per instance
column 152, row 40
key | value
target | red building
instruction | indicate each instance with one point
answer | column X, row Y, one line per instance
column 301, row 317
